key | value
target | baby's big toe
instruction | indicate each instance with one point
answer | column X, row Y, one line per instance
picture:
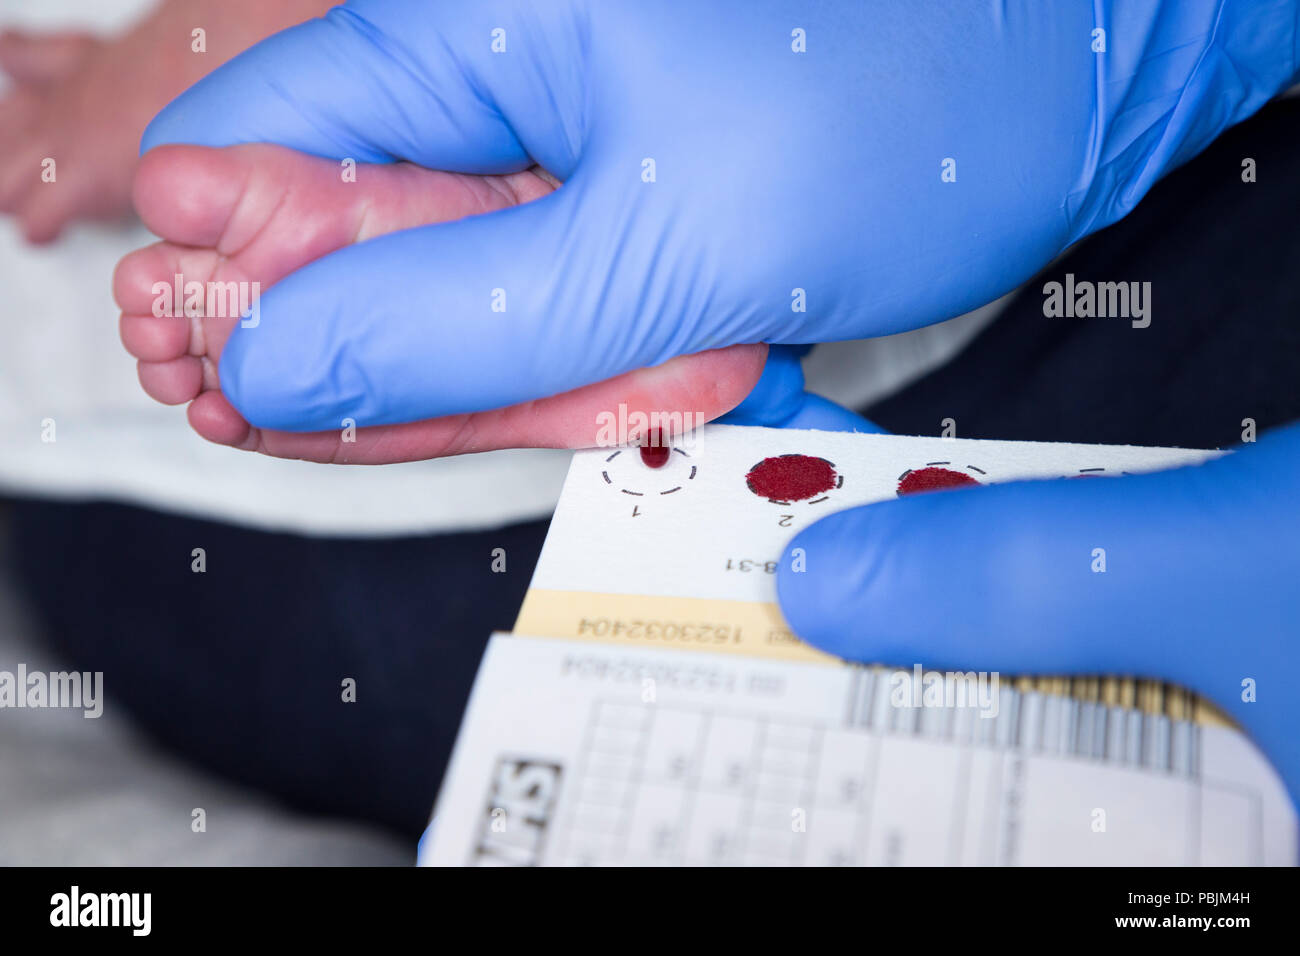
column 187, row 194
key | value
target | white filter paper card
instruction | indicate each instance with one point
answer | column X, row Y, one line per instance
column 653, row 708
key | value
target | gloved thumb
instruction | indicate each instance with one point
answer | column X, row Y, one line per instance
column 457, row 317
column 1185, row 575
column 780, row 399
column 1139, row 575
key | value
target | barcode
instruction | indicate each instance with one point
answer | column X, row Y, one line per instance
column 1117, row 721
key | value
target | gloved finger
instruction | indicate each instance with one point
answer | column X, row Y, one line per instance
column 371, row 82
column 459, row 317
column 779, row 400
column 1186, row 575
column 1137, row 575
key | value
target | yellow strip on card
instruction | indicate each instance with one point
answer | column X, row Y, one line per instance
column 754, row 629
column 636, row 620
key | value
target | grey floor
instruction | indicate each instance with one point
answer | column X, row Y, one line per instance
column 93, row 792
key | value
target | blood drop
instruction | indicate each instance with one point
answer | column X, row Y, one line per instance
column 933, row 479
column 655, row 453
column 791, row 477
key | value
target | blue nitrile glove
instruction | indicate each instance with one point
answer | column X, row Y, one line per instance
column 779, row 399
column 1199, row 587
column 738, row 171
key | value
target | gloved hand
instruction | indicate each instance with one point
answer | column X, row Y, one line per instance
column 733, row 172
column 1199, row 587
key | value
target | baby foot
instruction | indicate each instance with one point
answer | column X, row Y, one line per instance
column 83, row 102
column 255, row 213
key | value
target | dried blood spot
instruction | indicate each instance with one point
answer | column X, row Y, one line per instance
column 655, row 452
column 791, row 478
column 933, row 479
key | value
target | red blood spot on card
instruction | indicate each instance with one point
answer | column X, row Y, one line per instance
column 791, row 477
column 655, row 452
column 655, row 456
column 933, row 479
